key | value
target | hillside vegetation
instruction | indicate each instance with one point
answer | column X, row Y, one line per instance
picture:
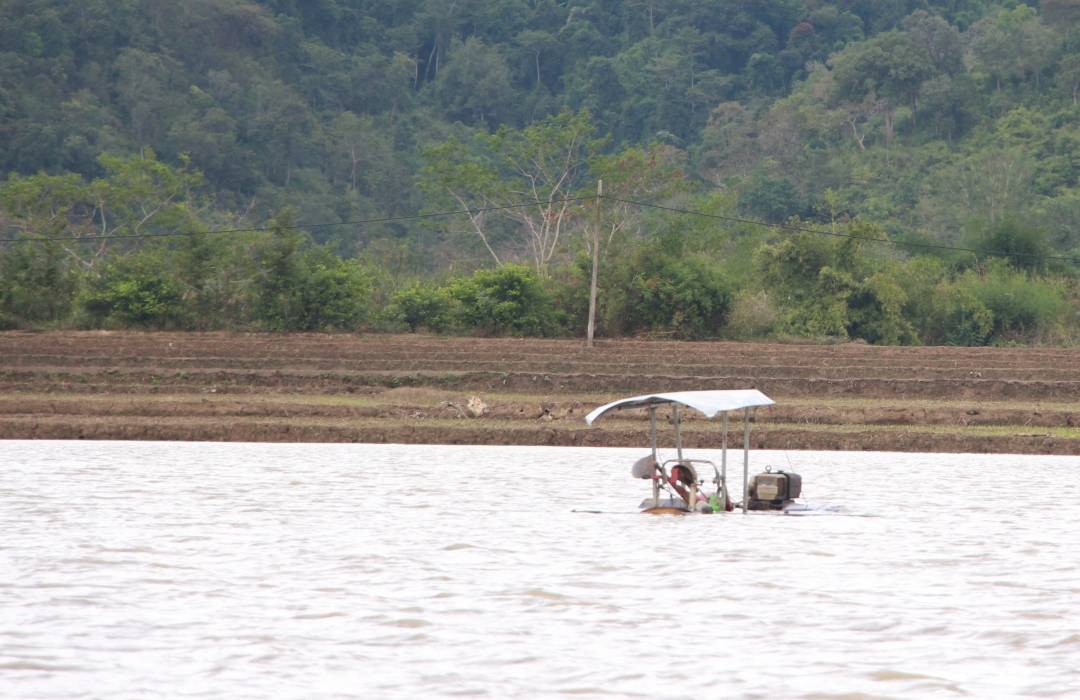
column 924, row 122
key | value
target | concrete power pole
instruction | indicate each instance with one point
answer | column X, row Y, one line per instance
column 595, row 264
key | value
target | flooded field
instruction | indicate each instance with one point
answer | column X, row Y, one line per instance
column 184, row 570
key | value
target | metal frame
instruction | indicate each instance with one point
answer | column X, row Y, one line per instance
column 720, row 480
column 723, row 459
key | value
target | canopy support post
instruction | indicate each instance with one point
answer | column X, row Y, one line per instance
column 723, row 467
column 655, row 456
column 746, row 459
column 692, row 504
column 678, row 431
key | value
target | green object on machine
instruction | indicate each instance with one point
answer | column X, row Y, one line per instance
column 714, row 501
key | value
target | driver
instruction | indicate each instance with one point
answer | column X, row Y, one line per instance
column 681, row 478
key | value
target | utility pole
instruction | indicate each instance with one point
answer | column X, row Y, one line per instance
column 595, row 263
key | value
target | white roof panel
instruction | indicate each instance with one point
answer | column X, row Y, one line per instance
column 707, row 402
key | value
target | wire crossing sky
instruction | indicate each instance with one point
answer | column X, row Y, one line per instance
column 434, row 215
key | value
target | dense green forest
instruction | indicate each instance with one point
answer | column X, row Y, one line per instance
column 262, row 131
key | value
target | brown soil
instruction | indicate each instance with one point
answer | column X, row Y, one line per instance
column 329, row 388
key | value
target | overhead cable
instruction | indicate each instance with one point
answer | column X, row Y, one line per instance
column 845, row 235
column 357, row 222
column 412, row 217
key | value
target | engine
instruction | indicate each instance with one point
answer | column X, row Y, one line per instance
column 773, row 490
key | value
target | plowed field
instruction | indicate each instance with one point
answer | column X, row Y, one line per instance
column 408, row 388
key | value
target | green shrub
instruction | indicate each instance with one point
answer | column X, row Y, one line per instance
column 310, row 290
column 1012, row 241
column 135, row 291
column 320, row 292
column 424, row 307
column 333, row 293
column 680, row 298
column 875, row 312
column 37, row 284
column 509, row 299
column 1019, row 304
column 771, row 198
column 827, row 288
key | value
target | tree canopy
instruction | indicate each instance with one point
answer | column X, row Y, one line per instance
column 944, row 122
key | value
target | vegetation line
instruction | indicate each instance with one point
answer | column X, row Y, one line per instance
column 753, row 157
column 359, row 222
column 293, row 227
column 996, row 253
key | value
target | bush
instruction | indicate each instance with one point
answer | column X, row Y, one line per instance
column 752, row 316
column 37, row 285
column 424, row 307
column 678, row 298
column 958, row 318
column 312, row 290
column 509, row 299
column 771, row 198
column 136, row 291
column 1019, row 305
column 875, row 312
column 827, row 289
column 1012, row 241
column 319, row 292
column 333, row 292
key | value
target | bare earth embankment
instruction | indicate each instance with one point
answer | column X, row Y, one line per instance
column 416, row 389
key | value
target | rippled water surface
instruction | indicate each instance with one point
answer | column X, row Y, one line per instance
column 163, row 570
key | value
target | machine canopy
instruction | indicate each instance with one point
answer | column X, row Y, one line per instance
column 707, row 402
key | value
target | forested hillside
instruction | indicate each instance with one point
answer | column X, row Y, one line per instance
column 944, row 122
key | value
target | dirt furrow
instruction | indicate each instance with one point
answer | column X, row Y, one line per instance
column 312, row 387
column 64, row 428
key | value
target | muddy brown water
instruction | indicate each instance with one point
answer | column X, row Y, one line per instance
column 154, row 571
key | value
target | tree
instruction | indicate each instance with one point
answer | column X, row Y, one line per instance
column 940, row 41
column 536, row 43
column 632, row 175
column 826, row 287
column 728, row 145
column 1068, row 73
column 37, row 284
column 281, row 130
column 685, row 298
column 889, row 66
column 1061, row 13
column 143, row 93
column 1014, row 45
column 1025, row 247
column 992, row 182
column 772, row 198
column 475, row 83
column 361, row 144
column 654, row 174
column 139, row 196
column 534, row 173
column 306, row 290
column 856, row 115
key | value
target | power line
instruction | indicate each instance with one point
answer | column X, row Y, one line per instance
column 845, row 235
column 412, row 217
column 357, row 222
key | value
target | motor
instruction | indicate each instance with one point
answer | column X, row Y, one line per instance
column 773, row 491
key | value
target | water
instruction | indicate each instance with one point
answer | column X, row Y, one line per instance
column 163, row 570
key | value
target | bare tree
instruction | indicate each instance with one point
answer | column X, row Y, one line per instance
column 531, row 176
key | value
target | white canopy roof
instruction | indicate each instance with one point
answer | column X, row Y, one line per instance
column 708, row 402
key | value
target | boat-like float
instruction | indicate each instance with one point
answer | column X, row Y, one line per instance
column 678, row 478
